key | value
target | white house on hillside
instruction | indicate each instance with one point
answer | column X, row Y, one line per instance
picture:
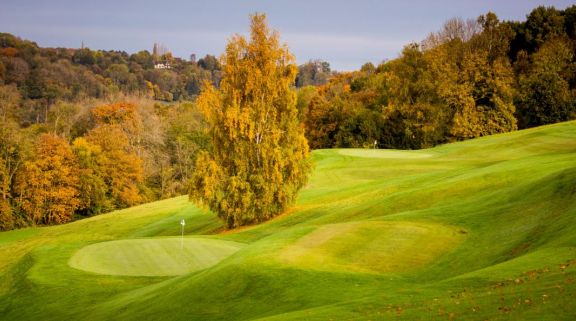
column 162, row 66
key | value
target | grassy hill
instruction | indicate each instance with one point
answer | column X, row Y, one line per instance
column 479, row 230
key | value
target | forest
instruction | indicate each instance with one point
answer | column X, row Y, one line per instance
column 84, row 132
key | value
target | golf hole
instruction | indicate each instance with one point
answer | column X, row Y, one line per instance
column 152, row 257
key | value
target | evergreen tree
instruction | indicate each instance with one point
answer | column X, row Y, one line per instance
column 259, row 159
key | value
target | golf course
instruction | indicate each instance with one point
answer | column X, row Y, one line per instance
column 483, row 229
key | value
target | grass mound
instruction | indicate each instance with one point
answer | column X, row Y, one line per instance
column 372, row 246
column 152, row 257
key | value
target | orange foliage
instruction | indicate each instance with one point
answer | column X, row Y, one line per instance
column 114, row 114
column 48, row 185
column 9, row 52
column 122, row 170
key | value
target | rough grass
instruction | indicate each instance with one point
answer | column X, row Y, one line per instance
column 478, row 230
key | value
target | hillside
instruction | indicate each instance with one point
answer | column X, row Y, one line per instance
column 482, row 229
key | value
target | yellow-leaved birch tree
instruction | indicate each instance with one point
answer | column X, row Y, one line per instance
column 259, row 158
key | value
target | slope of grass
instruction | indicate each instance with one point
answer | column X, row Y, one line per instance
column 371, row 246
column 478, row 230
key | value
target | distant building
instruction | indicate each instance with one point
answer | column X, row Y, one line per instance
column 162, row 66
column 161, row 56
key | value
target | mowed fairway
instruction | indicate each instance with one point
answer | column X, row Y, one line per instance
column 152, row 257
column 477, row 230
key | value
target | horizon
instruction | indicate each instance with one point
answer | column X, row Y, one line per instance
column 311, row 30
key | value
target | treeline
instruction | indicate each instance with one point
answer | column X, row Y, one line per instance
column 85, row 132
column 44, row 75
column 472, row 78
column 89, row 158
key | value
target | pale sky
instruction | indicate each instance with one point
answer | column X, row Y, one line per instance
column 347, row 33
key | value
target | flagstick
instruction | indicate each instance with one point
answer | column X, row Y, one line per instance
column 182, row 222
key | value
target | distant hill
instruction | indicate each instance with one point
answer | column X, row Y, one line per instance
column 74, row 73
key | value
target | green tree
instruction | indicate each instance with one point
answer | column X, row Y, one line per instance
column 305, row 96
column 543, row 23
column 209, row 62
column 544, row 95
column 144, row 59
column 185, row 137
column 544, row 99
column 313, row 73
column 84, row 56
column 259, row 158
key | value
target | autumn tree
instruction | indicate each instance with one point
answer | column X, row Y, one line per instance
column 259, row 158
column 93, row 196
column 125, row 117
column 118, row 113
column 109, row 158
column 47, row 186
column 474, row 80
column 484, row 104
column 13, row 150
column 111, row 173
column 321, row 121
column 415, row 114
column 9, row 162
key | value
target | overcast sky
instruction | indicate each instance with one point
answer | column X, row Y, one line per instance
column 345, row 33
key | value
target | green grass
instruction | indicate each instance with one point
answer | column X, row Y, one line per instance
column 152, row 257
column 371, row 246
column 478, row 230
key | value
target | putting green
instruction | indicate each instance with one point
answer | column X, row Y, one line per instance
column 371, row 246
column 384, row 153
column 152, row 257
